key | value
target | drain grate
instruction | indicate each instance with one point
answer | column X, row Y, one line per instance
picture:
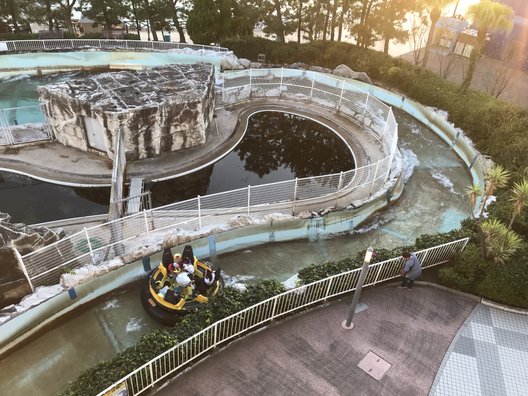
column 374, row 366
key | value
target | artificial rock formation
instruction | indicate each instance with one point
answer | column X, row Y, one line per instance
column 17, row 237
column 159, row 109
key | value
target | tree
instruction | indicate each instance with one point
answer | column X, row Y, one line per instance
column 202, row 22
column 418, row 36
column 496, row 177
column 176, row 12
column 104, row 12
column 500, row 73
column 487, row 17
column 435, row 11
column 360, row 24
column 501, row 243
column 14, row 13
column 473, row 192
column 278, row 17
column 389, row 18
column 519, row 199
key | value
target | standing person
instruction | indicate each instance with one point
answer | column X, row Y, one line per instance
column 412, row 269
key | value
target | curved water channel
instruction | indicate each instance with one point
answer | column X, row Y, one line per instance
column 433, row 201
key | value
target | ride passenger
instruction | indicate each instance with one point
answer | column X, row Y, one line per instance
column 186, row 286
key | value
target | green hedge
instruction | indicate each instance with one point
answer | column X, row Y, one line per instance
column 18, row 36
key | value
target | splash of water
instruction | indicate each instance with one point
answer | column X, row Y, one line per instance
column 114, row 303
column 444, row 181
column 134, row 324
column 410, row 161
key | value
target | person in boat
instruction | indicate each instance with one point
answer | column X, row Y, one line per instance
column 174, row 268
column 186, row 287
column 204, row 283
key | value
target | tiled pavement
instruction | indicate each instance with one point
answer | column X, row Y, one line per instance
column 489, row 356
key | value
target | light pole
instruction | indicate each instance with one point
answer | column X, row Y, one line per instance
column 347, row 324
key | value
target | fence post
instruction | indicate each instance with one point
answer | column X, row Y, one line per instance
column 215, row 335
column 374, row 179
column 249, row 198
column 341, row 95
column 377, row 275
column 223, row 88
column 313, row 83
column 152, row 382
column 281, row 78
column 199, row 212
column 250, row 82
column 89, row 244
column 146, row 221
column 365, row 108
column 339, row 186
column 274, row 308
column 327, row 292
column 294, row 196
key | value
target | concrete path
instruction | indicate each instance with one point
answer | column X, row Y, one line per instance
column 489, row 356
column 311, row 354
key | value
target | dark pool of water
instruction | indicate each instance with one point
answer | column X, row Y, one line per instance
column 276, row 147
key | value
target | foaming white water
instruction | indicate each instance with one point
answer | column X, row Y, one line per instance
column 15, row 78
column 410, row 161
column 111, row 304
column 237, row 281
column 443, row 180
column 133, row 324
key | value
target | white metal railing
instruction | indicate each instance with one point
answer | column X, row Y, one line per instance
column 266, row 311
column 19, row 125
column 68, row 44
column 104, row 242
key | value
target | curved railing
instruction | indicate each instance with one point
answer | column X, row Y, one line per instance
column 203, row 215
column 67, row 44
column 264, row 312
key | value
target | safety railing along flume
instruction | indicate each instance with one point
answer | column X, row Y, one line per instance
column 68, row 44
column 104, row 242
column 268, row 310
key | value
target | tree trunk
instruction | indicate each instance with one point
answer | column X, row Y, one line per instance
column 176, row 22
column 136, row 19
column 14, row 18
column 280, row 33
column 344, row 10
column 152, row 25
column 475, row 53
column 434, row 15
column 386, row 45
column 333, row 23
column 299, row 22
column 48, row 14
column 327, row 17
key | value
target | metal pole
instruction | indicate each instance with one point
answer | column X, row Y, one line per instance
column 199, row 213
column 249, row 199
column 347, row 324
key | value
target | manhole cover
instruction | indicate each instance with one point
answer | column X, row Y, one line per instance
column 374, row 366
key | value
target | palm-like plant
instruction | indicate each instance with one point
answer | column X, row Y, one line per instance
column 435, row 11
column 473, row 192
column 488, row 17
column 519, row 199
column 501, row 243
column 496, row 177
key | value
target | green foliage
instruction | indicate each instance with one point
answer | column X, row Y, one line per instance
column 18, row 36
column 228, row 302
column 465, row 271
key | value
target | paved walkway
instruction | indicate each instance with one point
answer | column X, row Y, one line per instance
column 489, row 356
column 311, row 354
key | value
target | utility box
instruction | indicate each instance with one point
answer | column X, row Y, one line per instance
column 167, row 38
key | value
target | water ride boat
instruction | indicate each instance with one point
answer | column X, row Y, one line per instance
column 179, row 285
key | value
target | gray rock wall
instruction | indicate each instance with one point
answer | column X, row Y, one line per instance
column 162, row 110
